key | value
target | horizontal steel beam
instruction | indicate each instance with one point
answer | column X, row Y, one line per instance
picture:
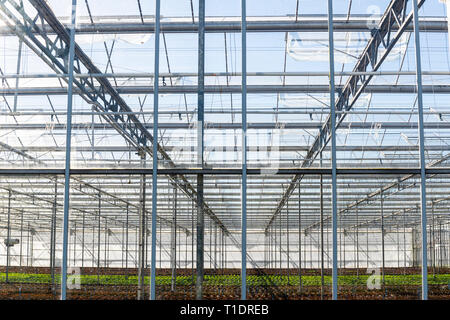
column 219, row 74
column 286, row 148
column 222, row 171
column 251, row 125
column 435, row 89
column 305, row 23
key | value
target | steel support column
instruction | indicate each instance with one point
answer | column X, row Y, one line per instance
column 299, row 240
column 68, row 149
column 142, row 239
column 98, row 236
column 287, row 241
column 244, row 153
column 423, row 195
column 21, row 240
column 322, row 280
column 82, row 240
column 53, row 239
column 126, row 243
column 382, row 244
column 8, row 236
column 333, row 149
column 357, row 245
column 192, row 243
column 173, row 241
column 155, row 152
column 200, row 239
column 32, row 232
column 19, row 60
column 200, row 160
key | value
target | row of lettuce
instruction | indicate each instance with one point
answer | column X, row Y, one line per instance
column 229, row 280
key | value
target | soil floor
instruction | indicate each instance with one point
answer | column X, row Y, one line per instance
column 31, row 291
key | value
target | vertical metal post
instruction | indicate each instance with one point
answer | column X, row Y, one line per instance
column 74, row 243
column 192, row 243
column 432, row 241
column 340, row 249
column 8, row 236
column 269, row 247
column 275, row 257
column 105, row 251
column 142, row 237
column 28, row 244
column 93, row 245
column 441, row 246
column 19, row 60
column 272, row 247
column 200, row 156
column 21, row 239
column 287, row 240
column 82, row 241
column 279, row 234
column 68, row 150
column 333, row 149
column 269, row 251
column 447, row 243
column 357, row 243
column 225, row 249
column 155, row 151
column 304, row 251
column 244, row 152
column 93, row 133
column 200, row 238
column 265, row 250
column 222, row 250
column 126, row 242
column 404, row 241
column 31, row 245
column 136, row 236
column 311, row 248
column 423, row 195
column 272, row 257
column 215, row 246
column 398, row 248
column 174, row 241
column 52, row 243
column 299, row 240
column 210, row 244
column 382, row 242
column 186, row 251
column 160, row 245
column 343, row 246
column 123, row 247
column 275, row 246
column 444, row 247
column 322, row 280
column 178, row 236
column 98, row 237
column 367, row 245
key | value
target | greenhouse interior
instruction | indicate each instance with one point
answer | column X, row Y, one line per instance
column 301, row 150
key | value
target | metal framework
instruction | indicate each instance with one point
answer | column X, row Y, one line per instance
column 260, row 158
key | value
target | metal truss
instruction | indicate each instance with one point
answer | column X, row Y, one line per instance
column 385, row 37
column 104, row 98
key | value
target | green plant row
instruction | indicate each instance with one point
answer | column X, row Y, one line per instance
column 230, row 280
